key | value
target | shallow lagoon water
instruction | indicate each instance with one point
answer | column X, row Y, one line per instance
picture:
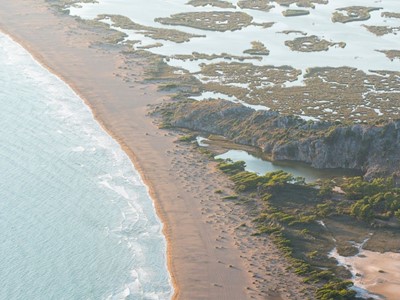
column 359, row 51
column 76, row 219
column 297, row 169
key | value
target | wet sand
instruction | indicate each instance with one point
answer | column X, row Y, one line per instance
column 208, row 256
column 379, row 273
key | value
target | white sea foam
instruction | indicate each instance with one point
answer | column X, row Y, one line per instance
column 74, row 210
column 78, row 149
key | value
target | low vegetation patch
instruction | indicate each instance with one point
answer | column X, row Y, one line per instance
column 292, row 214
column 390, row 15
column 187, row 138
column 301, row 3
column 295, row 12
column 382, row 30
column 152, row 32
column 255, row 4
column 357, row 96
column 226, row 56
column 312, row 44
column 353, row 14
column 391, row 54
column 257, row 48
column 215, row 21
column 215, row 3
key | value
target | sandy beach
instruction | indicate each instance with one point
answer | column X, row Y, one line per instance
column 208, row 257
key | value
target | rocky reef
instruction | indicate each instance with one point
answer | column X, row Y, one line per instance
column 373, row 149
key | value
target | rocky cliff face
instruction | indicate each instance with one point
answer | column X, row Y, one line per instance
column 375, row 150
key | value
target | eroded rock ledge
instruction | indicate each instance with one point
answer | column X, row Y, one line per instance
column 372, row 149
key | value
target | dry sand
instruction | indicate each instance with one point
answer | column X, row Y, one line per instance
column 207, row 256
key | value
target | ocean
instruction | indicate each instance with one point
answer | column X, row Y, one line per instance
column 76, row 220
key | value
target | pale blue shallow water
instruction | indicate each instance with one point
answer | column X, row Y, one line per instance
column 297, row 169
column 76, row 221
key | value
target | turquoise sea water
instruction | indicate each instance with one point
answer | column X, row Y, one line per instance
column 76, row 221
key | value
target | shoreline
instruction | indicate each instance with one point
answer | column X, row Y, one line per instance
column 132, row 157
column 137, row 163
column 96, row 133
column 124, row 148
column 208, row 257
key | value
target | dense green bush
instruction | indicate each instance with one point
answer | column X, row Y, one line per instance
column 384, row 204
column 336, row 290
column 356, row 188
column 187, row 138
column 231, row 168
column 289, row 214
column 247, row 181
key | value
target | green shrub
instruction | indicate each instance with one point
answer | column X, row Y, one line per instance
column 231, row 197
column 336, row 290
column 231, row 168
column 187, row 138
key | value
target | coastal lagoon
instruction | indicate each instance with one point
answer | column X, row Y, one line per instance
column 339, row 61
column 76, row 219
column 297, row 169
column 360, row 44
column 311, row 66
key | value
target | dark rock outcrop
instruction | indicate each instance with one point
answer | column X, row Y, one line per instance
column 372, row 149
